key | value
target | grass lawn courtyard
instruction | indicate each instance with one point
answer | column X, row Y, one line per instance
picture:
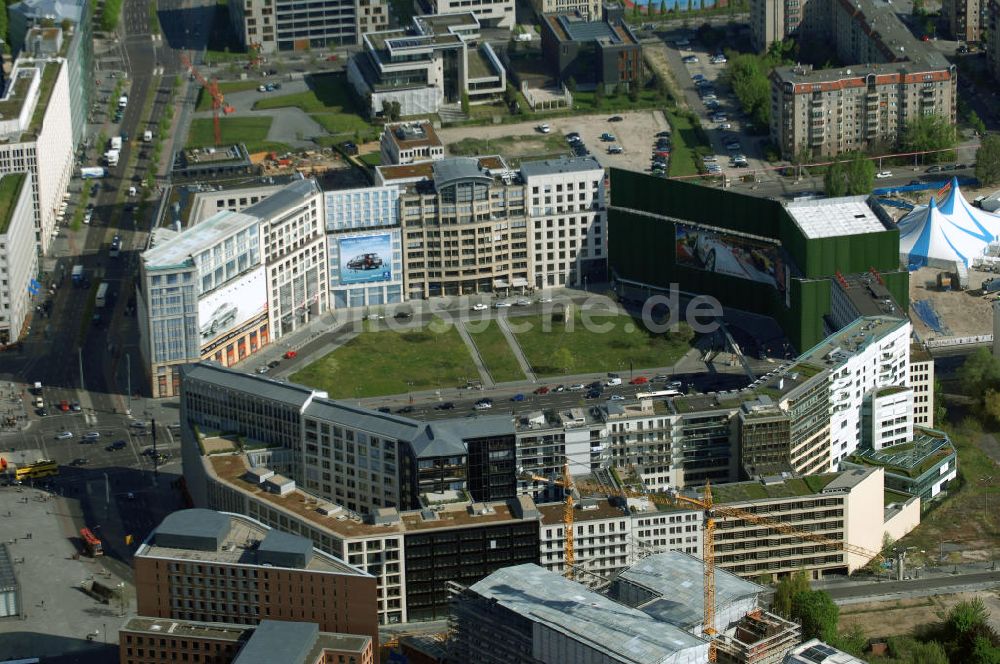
column 495, row 351
column 392, row 362
column 574, row 349
column 252, row 131
column 329, row 100
column 687, row 145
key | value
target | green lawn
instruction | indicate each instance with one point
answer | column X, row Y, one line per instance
column 687, row 145
column 226, row 88
column 327, row 93
column 372, row 159
column 377, row 363
column 340, row 124
column 560, row 351
column 496, row 352
column 584, row 102
column 252, row 131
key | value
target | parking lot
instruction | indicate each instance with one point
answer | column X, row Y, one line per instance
column 682, row 45
column 635, row 133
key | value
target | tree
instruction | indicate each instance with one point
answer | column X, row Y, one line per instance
column 979, row 373
column 663, row 7
column 977, row 123
column 788, row 587
column 817, row 613
column 966, row 616
column 853, row 177
column 984, row 652
column 907, row 650
column 397, row 110
column 509, row 94
column 918, row 8
column 930, row 132
column 988, row 160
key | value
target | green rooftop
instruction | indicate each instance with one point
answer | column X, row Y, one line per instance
column 891, row 496
column 49, row 75
column 739, row 492
column 11, row 107
column 10, row 191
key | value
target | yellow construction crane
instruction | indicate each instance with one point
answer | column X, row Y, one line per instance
column 712, row 511
column 567, row 483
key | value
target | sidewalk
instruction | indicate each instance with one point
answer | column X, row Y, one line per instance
column 484, row 375
column 515, row 347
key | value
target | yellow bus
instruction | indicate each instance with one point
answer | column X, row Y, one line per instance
column 41, row 468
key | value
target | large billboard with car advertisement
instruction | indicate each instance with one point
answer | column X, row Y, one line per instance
column 365, row 258
column 233, row 304
column 737, row 256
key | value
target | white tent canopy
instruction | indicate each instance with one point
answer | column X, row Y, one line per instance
column 946, row 234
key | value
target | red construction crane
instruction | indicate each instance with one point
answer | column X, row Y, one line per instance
column 211, row 89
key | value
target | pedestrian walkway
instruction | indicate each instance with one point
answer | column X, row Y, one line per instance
column 484, row 375
column 515, row 347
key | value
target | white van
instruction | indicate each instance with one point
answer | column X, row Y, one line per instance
column 131, row 191
column 612, row 382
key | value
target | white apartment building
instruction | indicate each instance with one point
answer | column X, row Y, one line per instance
column 888, row 417
column 204, row 204
column 409, row 142
column 230, row 285
column 364, row 246
column 589, row 9
column 18, row 254
column 283, row 25
column 489, row 13
column 602, row 537
column 922, row 384
column 36, row 127
column 568, row 210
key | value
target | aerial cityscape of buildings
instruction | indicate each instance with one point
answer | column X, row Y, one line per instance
column 373, row 332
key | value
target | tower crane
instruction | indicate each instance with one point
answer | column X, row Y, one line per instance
column 712, row 511
column 566, row 482
column 212, row 89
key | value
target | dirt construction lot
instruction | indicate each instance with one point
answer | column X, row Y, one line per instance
column 635, row 133
column 897, row 617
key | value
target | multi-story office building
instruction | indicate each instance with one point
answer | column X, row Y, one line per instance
column 145, row 640
column 75, row 42
column 204, row 202
column 36, row 135
column 841, row 507
column 568, row 220
column 213, row 566
column 829, row 111
column 429, row 65
column 964, row 19
column 922, row 383
column 409, row 142
column 465, row 226
column 592, row 52
column 489, row 13
column 18, row 256
column 587, row 9
column 364, row 246
column 270, row 26
column 230, row 285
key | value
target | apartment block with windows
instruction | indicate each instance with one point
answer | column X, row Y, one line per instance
column 465, row 226
column 993, row 37
column 211, row 566
column 409, row 142
column 964, row 19
column 588, row 9
column 18, row 255
column 489, row 13
column 921, row 377
column 602, row 537
column 864, row 106
column 271, row 26
column 568, row 210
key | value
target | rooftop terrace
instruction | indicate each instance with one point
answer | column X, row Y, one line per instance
column 927, row 450
column 184, row 628
column 741, row 492
column 10, row 190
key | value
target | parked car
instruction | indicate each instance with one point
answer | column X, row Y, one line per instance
column 447, row 405
column 617, row 397
column 483, row 404
column 608, row 137
column 522, row 302
column 882, row 175
column 559, row 388
column 542, row 390
column 115, row 446
column 615, row 118
column 615, row 149
column 517, row 397
column 577, row 387
column 638, row 380
column 290, row 355
column 479, row 306
column 91, row 435
column 402, row 315
column 501, row 305
column 544, row 128
column 80, row 461
column 64, row 435
column 663, row 134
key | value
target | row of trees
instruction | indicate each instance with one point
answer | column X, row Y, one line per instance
column 852, row 177
column 964, row 636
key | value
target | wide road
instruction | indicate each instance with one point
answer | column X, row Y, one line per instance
column 913, row 587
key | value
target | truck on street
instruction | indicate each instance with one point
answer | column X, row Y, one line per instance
column 77, row 274
column 92, row 172
column 116, row 142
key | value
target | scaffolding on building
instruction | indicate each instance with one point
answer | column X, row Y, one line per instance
column 758, row 638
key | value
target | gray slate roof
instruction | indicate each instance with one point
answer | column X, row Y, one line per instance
column 279, row 641
column 679, row 580
column 291, row 394
column 456, row 168
column 531, row 169
column 623, row 633
column 287, row 197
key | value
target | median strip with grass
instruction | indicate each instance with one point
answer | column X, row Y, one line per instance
column 495, row 351
column 556, row 347
column 392, row 362
column 688, row 144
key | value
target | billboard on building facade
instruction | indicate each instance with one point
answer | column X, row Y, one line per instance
column 233, row 304
column 720, row 252
column 365, row 258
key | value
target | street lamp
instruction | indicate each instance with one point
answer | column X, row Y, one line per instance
column 986, row 495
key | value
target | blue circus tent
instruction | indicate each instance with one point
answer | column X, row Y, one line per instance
column 946, row 234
